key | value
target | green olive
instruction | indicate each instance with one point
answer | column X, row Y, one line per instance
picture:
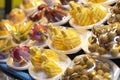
column 89, row 64
column 107, row 75
column 99, row 66
column 69, row 71
column 97, row 77
column 111, row 35
column 92, row 39
column 114, row 52
column 93, row 47
column 82, row 62
column 84, row 77
column 78, row 68
column 117, row 17
column 76, row 60
column 100, row 72
column 103, row 38
column 101, row 50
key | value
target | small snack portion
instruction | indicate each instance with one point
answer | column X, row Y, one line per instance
column 5, row 46
column 45, row 60
column 20, row 32
column 106, row 40
column 63, row 38
column 20, row 55
column 55, row 14
column 115, row 10
column 4, row 26
column 17, row 15
column 87, row 15
column 49, row 14
column 66, row 2
column 39, row 33
column 87, row 67
column 96, row 1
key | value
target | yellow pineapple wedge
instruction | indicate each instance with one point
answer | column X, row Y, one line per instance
column 56, row 37
column 45, row 60
column 50, row 67
column 73, row 9
column 35, row 58
column 51, row 54
column 71, row 38
column 98, row 11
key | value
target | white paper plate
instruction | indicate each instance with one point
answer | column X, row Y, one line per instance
column 107, row 2
column 115, row 70
column 86, row 44
column 10, row 64
column 71, row 51
column 89, row 26
column 63, row 21
column 36, row 43
column 64, row 63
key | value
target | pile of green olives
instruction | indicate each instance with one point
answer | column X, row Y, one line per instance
column 115, row 10
column 106, row 39
column 87, row 67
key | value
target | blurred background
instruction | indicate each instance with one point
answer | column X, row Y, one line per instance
column 7, row 5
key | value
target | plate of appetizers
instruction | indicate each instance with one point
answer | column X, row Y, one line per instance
column 19, row 57
column 86, row 17
column 105, row 43
column 47, row 64
column 64, row 40
column 91, row 67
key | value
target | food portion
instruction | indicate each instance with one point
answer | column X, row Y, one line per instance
column 87, row 15
column 96, row 1
column 39, row 33
column 20, row 32
column 49, row 14
column 115, row 10
column 66, row 2
column 20, row 55
column 105, row 40
column 4, row 26
column 5, row 46
column 17, row 15
column 87, row 67
column 63, row 38
column 45, row 60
